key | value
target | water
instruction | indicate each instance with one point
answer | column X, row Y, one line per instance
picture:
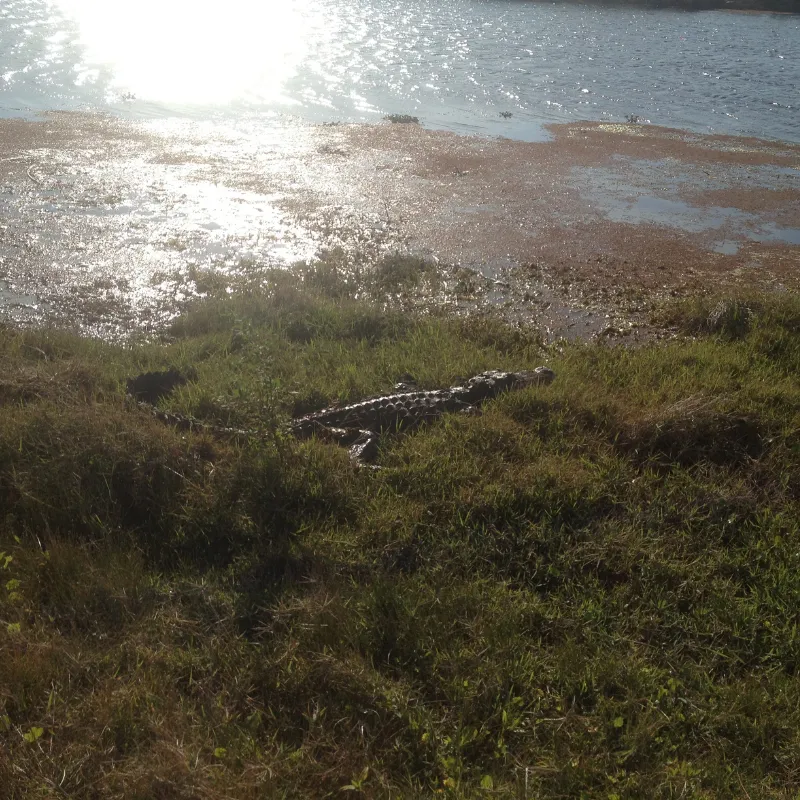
column 696, row 219
column 456, row 64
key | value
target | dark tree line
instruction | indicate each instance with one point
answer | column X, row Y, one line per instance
column 791, row 6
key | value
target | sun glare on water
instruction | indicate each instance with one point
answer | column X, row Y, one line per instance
column 184, row 51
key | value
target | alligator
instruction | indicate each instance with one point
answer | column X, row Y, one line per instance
column 359, row 426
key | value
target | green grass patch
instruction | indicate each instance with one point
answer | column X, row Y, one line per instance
column 590, row 590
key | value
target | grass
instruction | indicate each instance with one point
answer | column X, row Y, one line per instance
column 588, row 591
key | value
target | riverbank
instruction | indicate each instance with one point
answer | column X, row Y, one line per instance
column 588, row 590
column 113, row 226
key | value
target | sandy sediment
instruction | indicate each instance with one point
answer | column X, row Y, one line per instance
column 113, row 224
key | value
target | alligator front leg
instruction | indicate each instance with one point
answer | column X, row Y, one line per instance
column 365, row 449
column 363, row 444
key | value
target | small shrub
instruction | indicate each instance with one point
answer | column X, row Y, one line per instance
column 398, row 271
column 730, row 318
column 401, row 118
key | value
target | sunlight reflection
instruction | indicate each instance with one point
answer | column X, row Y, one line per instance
column 189, row 52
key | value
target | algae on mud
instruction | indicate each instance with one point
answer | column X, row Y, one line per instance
column 588, row 591
column 127, row 221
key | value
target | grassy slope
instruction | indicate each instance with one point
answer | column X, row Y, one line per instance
column 591, row 590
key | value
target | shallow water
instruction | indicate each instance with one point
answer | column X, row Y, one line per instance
column 695, row 219
column 456, row 65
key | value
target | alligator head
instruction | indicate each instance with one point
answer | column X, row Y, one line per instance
column 494, row 382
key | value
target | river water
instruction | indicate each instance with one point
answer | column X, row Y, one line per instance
column 496, row 67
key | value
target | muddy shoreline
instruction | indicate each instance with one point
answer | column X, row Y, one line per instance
column 111, row 226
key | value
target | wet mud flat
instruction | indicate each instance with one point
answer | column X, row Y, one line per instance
column 111, row 226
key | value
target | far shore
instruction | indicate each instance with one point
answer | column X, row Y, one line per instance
column 747, row 6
